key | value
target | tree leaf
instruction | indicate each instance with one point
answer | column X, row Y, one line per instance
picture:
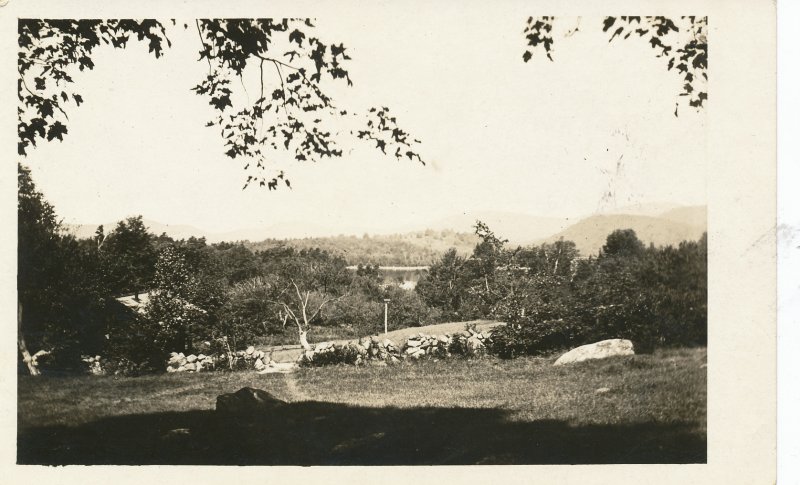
column 56, row 130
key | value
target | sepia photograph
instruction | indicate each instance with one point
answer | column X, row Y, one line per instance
column 463, row 237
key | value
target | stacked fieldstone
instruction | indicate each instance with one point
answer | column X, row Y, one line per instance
column 192, row 363
column 242, row 359
column 468, row 342
column 367, row 350
column 376, row 351
column 249, row 359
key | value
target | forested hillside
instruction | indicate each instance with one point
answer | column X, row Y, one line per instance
column 670, row 228
column 419, row 248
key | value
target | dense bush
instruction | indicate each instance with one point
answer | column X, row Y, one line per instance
column 64, row 304
column 249, row 313
column 407, row 309
column 536, row 337
column 339, row 354
column 553, row 301
column 357, row 311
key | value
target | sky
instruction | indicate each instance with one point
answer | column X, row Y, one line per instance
column 540, row 138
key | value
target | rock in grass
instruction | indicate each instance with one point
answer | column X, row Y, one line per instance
column 598, row 350
column 247, row 400
column 177, row 434
column 191, row 358
column 250, row 350
column 601, row 390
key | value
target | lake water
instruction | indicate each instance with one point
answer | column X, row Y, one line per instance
column 404, row 276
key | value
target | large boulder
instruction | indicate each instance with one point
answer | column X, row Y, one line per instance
column 598, row 350
column 247, row 400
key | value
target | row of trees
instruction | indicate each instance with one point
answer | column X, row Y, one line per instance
column 553, row 299
column 186, row 294
column 419, row 248
column 191, row 295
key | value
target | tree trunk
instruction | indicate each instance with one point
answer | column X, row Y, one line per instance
column 304, row 340
column 23, row 348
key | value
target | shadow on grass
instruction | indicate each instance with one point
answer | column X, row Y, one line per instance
column 320, row 433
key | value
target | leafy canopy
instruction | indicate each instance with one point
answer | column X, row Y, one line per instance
column 293, row 114
column 681, row 42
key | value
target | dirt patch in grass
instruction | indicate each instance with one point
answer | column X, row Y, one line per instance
column 480, row 411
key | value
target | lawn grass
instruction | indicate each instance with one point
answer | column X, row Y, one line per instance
column 427, row 412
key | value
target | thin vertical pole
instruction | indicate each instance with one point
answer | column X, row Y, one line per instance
column 385, row 318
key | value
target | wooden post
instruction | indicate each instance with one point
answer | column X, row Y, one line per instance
column 386, row 315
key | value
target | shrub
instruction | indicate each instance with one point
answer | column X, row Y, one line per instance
column 338, row 354
column 248, row 312
column 458, row 345
column 408, row 309
column 355, row 310
column 632, row 319
column 530, row 337
column 126, row 367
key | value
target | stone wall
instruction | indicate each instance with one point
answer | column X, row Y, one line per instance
column 240, row 360
column 374, row 350
column 365, row 351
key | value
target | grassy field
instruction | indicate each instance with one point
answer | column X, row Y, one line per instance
column 480, row 411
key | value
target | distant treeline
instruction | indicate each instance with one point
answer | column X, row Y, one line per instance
column 420, row 248
column 551, row 299
column 200, row 297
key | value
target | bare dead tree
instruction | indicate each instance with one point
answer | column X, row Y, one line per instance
column 300, row 314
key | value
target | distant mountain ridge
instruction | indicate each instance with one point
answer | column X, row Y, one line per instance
column 517, row 228
column 668, row 228
column 422, row 247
